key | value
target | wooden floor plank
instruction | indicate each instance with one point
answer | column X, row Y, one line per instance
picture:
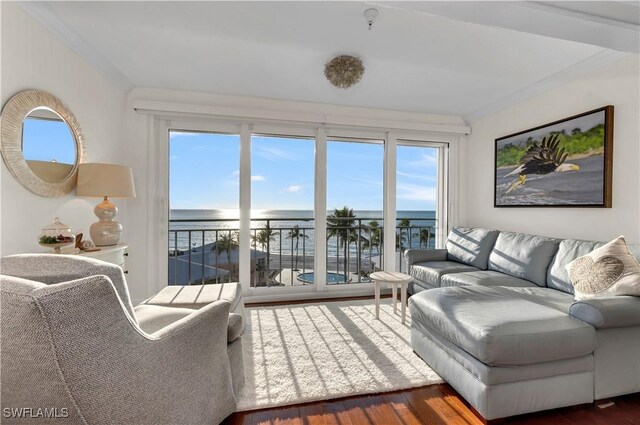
column 432, row 405
column 335, row 413
column 378, row 408
column 312, row 414
column 420, row 402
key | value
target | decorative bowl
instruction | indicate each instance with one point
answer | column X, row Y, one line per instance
column 56, row 235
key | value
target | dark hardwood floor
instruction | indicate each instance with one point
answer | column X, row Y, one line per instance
column 432, row 405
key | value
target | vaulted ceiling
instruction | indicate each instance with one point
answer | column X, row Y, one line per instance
column 459, row 58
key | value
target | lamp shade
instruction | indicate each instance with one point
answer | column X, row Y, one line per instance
column 105, row 180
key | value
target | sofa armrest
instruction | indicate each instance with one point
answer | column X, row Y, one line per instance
column 610, row 312
column 413, row 256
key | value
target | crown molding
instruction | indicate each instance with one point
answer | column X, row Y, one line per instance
column 554, row 8
column 548, row 83
column 42, row 13
column 533, row 17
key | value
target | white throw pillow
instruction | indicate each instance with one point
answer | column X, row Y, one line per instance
column 606, row 271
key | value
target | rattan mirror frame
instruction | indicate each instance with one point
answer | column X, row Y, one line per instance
column 13, row 114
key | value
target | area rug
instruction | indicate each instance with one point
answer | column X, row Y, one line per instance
column 307, row 352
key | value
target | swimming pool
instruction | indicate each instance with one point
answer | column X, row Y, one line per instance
column 331, row 278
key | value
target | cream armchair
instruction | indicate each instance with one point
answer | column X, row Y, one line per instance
column 77, row 349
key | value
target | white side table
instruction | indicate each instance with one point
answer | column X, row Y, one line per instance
column 394, row 279
column 115, row 254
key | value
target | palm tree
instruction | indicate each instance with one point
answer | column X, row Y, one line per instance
column 375, row 235
column 425, row 237
column 264, row 237
column 226, row 243
column 295, row 234
column 405, row 223
column 340, row 224
column 361, row 243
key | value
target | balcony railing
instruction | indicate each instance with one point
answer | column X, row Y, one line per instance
column 205, row 251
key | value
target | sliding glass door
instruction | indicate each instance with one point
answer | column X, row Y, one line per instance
column 355, row 170
column 203, row 207
column 285, row 212
column 282, row 211
column 416, row 198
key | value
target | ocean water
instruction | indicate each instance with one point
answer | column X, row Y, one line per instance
column 198, row 225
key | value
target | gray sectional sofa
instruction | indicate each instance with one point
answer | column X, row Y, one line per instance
column 494, row 314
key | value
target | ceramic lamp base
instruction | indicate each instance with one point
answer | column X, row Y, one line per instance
column 107, row 231
column 104, row 233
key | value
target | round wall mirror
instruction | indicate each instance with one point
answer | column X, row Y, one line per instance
column 48, row 145
column 42, row 143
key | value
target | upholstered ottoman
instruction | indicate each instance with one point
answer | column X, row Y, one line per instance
column 176, row 302
column 197, row 296
column 507, row 351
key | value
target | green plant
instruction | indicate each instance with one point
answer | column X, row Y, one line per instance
column 295, row 234
column 340, row 224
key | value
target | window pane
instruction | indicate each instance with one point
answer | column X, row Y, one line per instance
column 416, row 199
column 354, row 216
column 282, row 217
column 203, row 207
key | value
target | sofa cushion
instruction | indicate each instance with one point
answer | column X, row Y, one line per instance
column 568, row 250
column 493, row 375
column 152, row 318
column 523, row 256
column 430, row 272
column 471, row 246
column 483, row 278
column 416, row 286
column 236, row 326
column 502, row 326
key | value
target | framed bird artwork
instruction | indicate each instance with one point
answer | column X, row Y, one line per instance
column 566, row 163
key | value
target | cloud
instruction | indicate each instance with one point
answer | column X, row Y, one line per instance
column 413, row 192
column 273, row 154
column 416, row 176
column 294, row 188
column 425, row 160
column 257, row 178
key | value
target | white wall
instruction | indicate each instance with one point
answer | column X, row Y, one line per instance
column 617, row 84
column 34, row 58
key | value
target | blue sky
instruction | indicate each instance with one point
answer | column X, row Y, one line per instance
column 46, row 140
column 204, row 172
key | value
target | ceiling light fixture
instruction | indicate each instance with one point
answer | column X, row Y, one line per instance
column 370, row 15
column 344, row 71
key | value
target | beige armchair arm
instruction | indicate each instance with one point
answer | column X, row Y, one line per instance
column 118, row 374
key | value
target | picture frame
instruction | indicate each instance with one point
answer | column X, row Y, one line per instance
column 562, row 164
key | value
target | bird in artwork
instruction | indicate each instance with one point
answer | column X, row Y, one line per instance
column 541, row 158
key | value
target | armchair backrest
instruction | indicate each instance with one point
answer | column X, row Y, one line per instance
column 30, row 374
column 56, row 268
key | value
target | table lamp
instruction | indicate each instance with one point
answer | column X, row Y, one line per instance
column 105, row 180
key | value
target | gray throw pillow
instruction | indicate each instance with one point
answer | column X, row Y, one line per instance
column 471, row 246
